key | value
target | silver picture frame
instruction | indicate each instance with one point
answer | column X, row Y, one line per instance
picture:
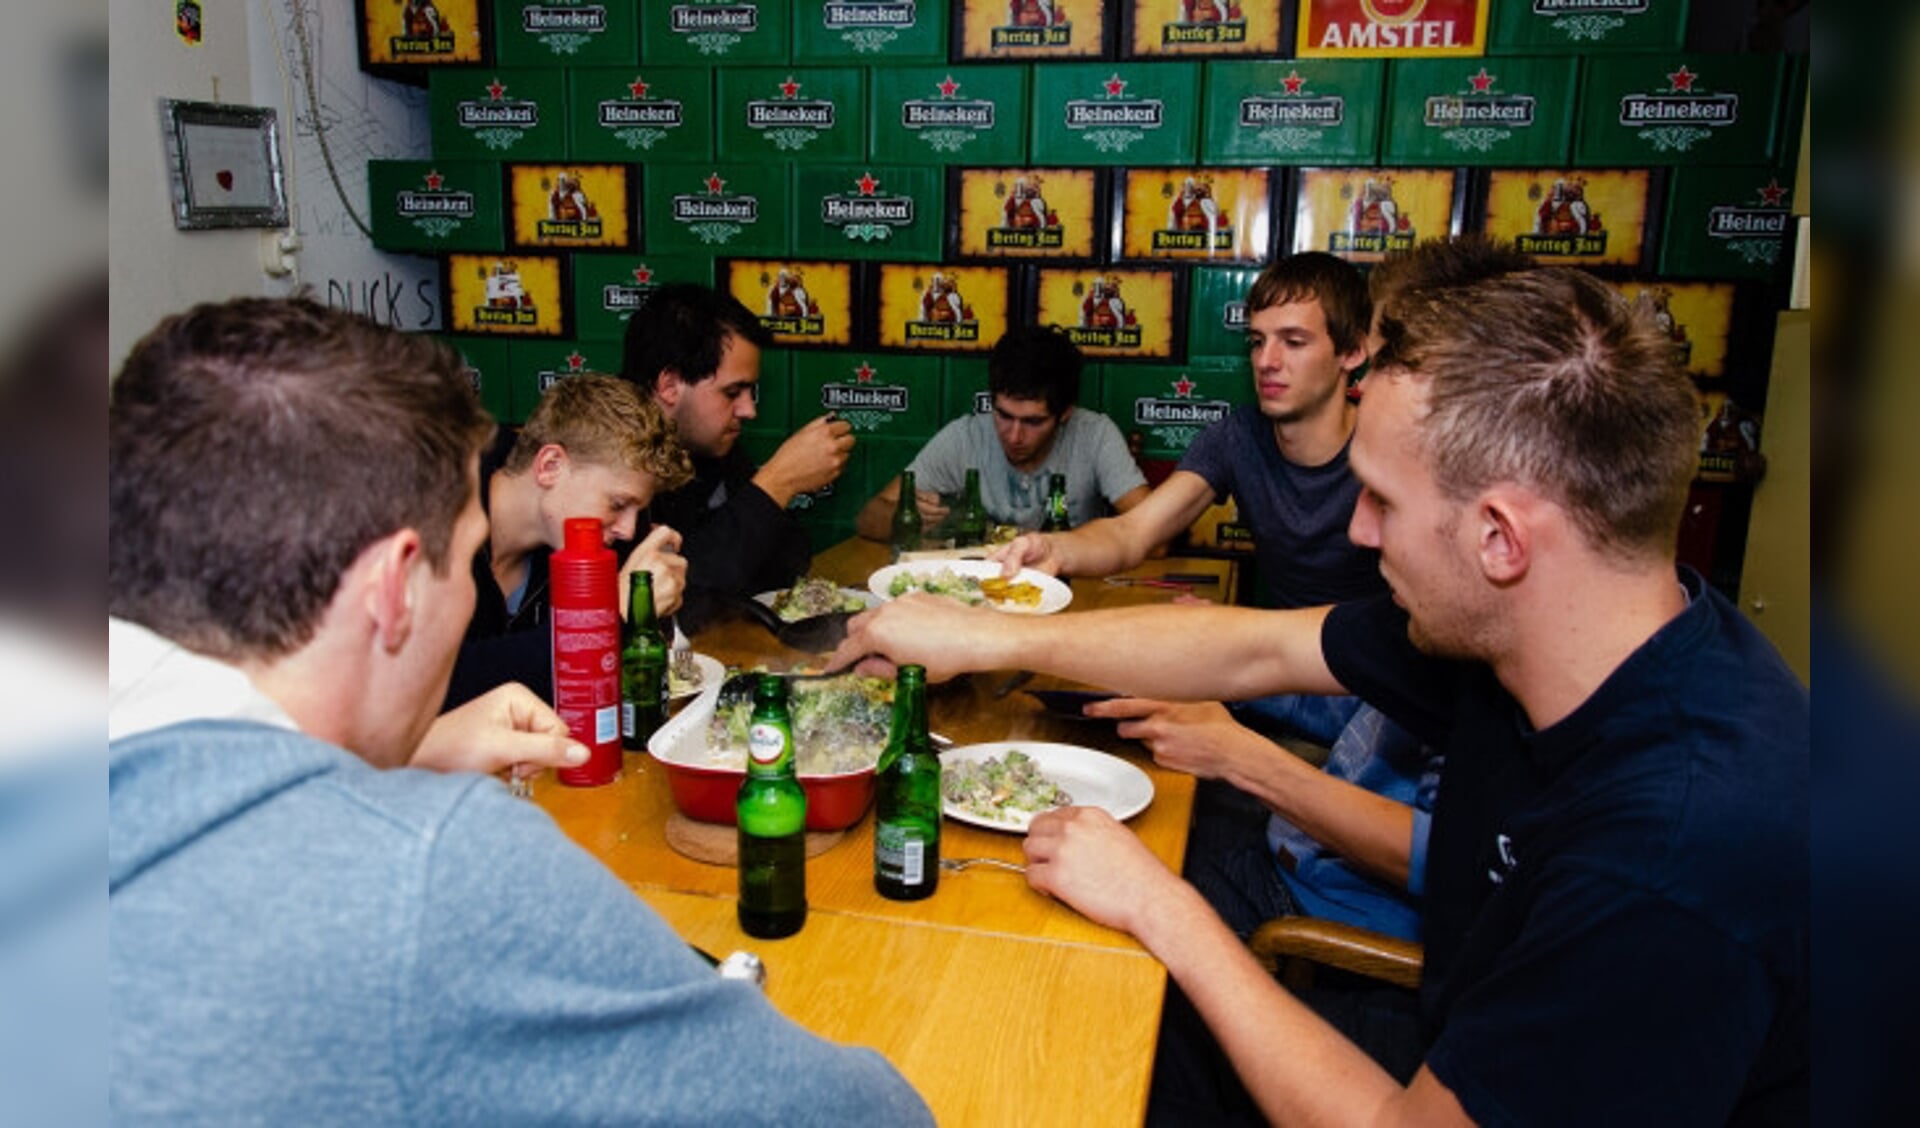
column 224, row 165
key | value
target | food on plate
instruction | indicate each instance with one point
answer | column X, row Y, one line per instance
column 839, row 724
column 967, row 589
column 683, row 677
column 815, row 596
column 1002, row 788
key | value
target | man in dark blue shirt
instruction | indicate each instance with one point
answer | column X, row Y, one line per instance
column 1616, row 901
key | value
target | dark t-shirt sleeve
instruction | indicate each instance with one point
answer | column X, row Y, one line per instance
column 745, row 545
column 1366, row 647
column 1614, row 1006
column 1210, row 455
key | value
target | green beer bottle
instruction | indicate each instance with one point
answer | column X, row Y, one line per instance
column 772, row 814
column 643, row 667
column 906, row 518
column 906, row 827
column 970, row 520
column 1056, row 520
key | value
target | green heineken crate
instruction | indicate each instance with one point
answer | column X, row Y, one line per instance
column 1217, row 322
column 608, row 288
column 784, row 113
column 731, row 209
column 828, row 513
column 1298, row 111
column 431, row 206
column 773, row 408
column 490, row 367
column 710, row 32
column 1128, row 113
column 536, row 365
column 973, row 114
column 963, row 388
column 644, row 114
column 887, row 456
column 879, row 394
column 1728, row 223
column 545, row 33
column 1681, row 109
column 516, row 115
column 1509, row 111
column 1586, row 27
column 881, row 32
column 1168, row 405
column 864, row 211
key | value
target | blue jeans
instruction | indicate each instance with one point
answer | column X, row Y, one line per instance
column 1311, row 715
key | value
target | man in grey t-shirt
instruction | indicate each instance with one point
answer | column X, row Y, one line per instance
column 1033, row 431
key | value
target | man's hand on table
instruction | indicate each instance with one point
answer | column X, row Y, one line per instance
column 1028, row 550
column 1088, row 859
column 509, row 727
column 945, row 636
column 1197, row 737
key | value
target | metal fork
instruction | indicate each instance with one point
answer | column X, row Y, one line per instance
column 955, row 865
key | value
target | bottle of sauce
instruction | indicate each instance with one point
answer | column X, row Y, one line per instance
column 772, row 815
column 586, row 645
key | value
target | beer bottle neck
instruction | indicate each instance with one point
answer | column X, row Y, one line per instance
column 640, row 600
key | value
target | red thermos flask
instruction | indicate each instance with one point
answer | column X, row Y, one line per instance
column 586, row 650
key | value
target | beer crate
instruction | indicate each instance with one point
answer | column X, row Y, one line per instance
column 490, row 367
column 608, row 288
column 497, row 114
column 1587, row 27
column 868, row 211
column 1479, row 111
column 1166, row 406
column 1685, row 109
column 963, row 388
column 1728, row 223
column 791, row 113
column 1017, row 31
column 640, row 114
column 773, row 396
column 506, row 294
column 1116, row 114
column 426, row 207
column 876, row 32
column 973, row 114
column 881, row 395
column 1218, row 215
column 538, row 365
column 572, row 206
column 710, row 33
column 715, row 209
column 1217, row 312
column 547, row 33
column 1295, row 111
column 887, row 455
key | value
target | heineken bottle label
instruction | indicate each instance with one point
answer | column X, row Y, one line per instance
column 901, row 854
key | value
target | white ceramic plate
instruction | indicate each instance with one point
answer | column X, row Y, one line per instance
column 1092, row 778
column 712, row 673
column 1054, row 595
column 867, row 598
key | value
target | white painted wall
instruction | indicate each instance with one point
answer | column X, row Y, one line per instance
column 251, row 55
column 152, row 268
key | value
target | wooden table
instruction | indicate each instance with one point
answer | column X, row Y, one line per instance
column 1000, row 1005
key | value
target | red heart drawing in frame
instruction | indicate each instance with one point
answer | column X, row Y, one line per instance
column 225, row 177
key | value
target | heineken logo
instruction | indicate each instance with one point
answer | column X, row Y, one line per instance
column 700, row 209
column 1142, row 112
column 839, row 15
column 685, row 18
column 982, row 402
column 617, row 297
column 934, row 115
column 1174, row 34
column 1557, row 7
column 777, row 115
column 896, row 210
column 411, row 204
column 1233, row 315
column 587, row 18
column 1738, row 222
column 522, row 115
column 1445, row 111
column 1689, row 109
column 1152, row 412
column 620, row 112
column 1323, row 110
column 890, row 398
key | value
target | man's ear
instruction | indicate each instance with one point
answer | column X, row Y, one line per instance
column 1504, row 536
column 394, row 566
column 550, row 463
column 667, row 387
column 1352, row 359
column 1064, row 412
